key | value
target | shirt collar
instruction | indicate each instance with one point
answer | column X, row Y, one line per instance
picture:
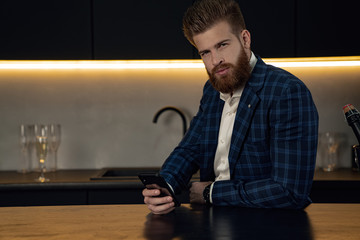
column 253, row 61
column 238, row 92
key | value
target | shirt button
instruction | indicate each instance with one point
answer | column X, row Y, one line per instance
column 222, row 162
column 220, row 177
column 222, row 141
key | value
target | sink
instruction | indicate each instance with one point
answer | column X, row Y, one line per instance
column 121, row 173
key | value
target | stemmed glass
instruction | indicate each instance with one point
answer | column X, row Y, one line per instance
column 42, row 135
column 54, row 141
column 25, row 139
column 331, row 143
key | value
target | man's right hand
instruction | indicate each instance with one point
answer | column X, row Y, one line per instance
column 156, row 204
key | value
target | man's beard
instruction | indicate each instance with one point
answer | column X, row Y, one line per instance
column 237, row 77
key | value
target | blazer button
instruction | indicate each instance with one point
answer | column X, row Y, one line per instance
column 249, row 106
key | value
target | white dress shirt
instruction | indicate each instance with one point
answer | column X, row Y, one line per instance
column 221, row 161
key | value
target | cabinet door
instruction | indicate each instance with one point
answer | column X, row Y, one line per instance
column 46, row 197
column 328, row 28
column 45, row 29
column 271, row 25
column 140, row 29
column 115, row 196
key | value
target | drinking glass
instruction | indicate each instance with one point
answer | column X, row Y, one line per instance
column 35, row 167
column 42, row 139
column 330, row 144
column 54, row 143
column 25, row 139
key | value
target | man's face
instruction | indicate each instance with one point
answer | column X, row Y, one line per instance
column 224, row 56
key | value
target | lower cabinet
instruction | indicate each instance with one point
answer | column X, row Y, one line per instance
column 42, row 197
column 115, row 196
column 335, row 192
column 322, row 192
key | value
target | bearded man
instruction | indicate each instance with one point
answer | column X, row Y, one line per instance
column 254, row 137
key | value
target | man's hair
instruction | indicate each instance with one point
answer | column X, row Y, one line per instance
column 204, row 14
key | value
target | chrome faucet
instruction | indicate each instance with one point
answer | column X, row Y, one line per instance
column 167, row 108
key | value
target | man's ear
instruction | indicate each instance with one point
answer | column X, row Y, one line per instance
column 245, row 39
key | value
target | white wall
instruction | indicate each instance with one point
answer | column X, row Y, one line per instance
column 106, row 115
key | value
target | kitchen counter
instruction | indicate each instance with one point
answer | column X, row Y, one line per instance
column 342, row 174
column 316, row 222
column 69, row 187
column 83, row 177
column 63, row 179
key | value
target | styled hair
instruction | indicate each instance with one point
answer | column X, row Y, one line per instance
column 204, row 14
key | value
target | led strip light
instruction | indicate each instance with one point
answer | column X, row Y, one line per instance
column 172, row 64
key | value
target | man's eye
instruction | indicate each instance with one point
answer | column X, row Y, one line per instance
column 203, row 54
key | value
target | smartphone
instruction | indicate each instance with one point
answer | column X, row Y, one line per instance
column 152, row 180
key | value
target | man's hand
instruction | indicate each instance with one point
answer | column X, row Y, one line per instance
column 157, row 205
column 196, row 192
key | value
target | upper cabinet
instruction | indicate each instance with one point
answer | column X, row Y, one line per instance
column 140, row 29
column 143, row 29
column 303, row 28
column 271, row 26
column 328, row 28
column 44, row 29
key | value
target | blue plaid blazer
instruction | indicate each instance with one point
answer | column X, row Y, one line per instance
column 273, row 146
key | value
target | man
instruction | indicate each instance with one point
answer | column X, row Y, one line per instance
column 254, row 137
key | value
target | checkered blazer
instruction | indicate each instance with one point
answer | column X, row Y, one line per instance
column 273, row 146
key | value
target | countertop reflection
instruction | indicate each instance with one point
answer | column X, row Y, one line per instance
column 200, row 222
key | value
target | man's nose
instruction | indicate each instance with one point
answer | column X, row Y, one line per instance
column 217, row 58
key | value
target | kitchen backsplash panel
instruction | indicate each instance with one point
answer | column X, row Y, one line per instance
column 106, row 115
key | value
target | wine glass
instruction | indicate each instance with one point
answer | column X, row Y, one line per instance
column 25, row 138
column 42, row 135
column 331, row 143
column 54, row 143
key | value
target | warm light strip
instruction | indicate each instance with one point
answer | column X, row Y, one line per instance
column 129, row 64
column 173, row 64
column 316, row 64
column 315, row 61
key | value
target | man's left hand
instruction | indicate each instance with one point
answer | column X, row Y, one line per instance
column 196, row 192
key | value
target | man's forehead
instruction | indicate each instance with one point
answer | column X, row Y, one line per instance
column 214, row 35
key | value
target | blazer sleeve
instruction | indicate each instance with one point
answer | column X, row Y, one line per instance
column 183, row 161
column 293, row 132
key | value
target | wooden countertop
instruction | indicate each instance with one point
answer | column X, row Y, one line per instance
column 342, row 174
column 317, row 222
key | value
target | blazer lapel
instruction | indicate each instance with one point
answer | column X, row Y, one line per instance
column 245, row 112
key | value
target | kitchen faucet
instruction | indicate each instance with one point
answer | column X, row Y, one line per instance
column 167, row 108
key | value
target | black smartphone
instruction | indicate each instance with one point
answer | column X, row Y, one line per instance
column 152, row 180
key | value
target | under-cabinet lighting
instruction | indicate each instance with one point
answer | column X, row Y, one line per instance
column 315, row 62
column 172, row 64
column 107, row 64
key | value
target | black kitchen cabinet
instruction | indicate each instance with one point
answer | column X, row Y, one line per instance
column 271, row 25
column 75, row 187
column 112, row 29
column 43, row 197
column 118, row 196
column 328, row 28
column 45, row 30
column 140, row 29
